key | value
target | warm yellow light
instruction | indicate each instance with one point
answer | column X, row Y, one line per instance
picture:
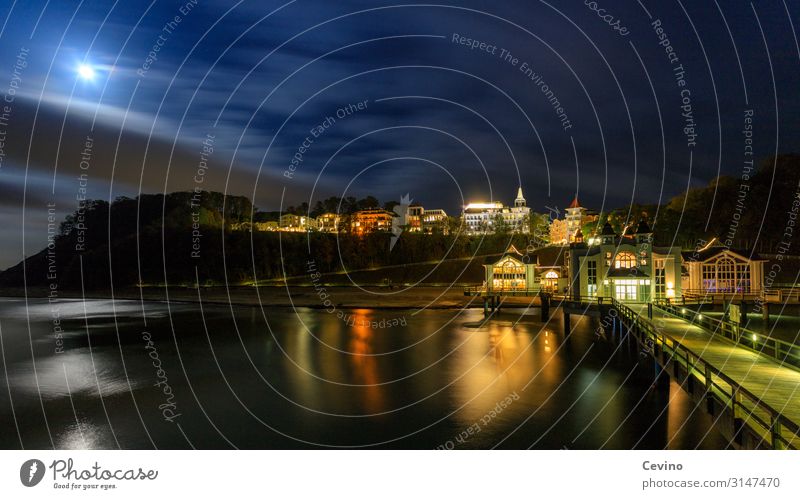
column 755, row 337
column 483, row 206
column 708, row 245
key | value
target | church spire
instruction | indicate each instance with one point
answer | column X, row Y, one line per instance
column 520, row 201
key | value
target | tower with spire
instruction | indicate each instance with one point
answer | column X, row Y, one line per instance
column 482, row 217
column 575, row 217
column 520, row 201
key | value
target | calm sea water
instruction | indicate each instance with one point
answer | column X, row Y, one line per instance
column 133, row 376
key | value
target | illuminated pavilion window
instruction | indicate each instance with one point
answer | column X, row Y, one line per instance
column 726, row 276
column 743, row 277
column 509, row 274
column 625, row 260
column 551, row 280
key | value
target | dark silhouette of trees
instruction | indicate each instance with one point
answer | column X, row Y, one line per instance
column 157, row 238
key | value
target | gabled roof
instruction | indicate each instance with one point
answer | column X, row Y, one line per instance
column 708, row 253
column 512, row 251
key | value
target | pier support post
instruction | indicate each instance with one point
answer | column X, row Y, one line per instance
column 743, row 313
column 661, row 380
column 765, row 315
column 775, row 433
column 566, row 324
column 545, row 309
column 608, row 325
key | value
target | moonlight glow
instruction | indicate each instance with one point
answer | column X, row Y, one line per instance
column 86, row 72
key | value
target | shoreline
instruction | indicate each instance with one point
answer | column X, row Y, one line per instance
column 340, row 297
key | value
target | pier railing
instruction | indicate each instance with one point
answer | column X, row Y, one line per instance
column 773, row 294
column 765, row 421
column 782, row 294
column 784, row 352
column 483, row 291
column 585, row 299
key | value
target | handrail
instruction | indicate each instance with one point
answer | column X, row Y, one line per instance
column 783, row 351
column 581, row 298
column 480, row 290
column 737, row 395
column 779, row 293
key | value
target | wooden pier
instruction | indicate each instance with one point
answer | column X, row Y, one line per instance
column 749, row 383
column 754, row 398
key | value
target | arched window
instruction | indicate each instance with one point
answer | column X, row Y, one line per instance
column 550, row 281
column 509, row 274
column 726, row 276
column 625, row 260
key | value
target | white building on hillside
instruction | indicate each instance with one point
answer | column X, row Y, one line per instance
column 483, row 218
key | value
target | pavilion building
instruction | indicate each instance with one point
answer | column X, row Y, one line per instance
column 510, row 272
column 717, row 269
column 625, row 267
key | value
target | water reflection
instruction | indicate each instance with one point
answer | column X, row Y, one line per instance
column 71, row 373
column 364, row 364
column 315, row 380
column 81, row 435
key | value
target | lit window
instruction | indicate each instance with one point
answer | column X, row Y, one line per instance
column 591, row 278
column 625, row 260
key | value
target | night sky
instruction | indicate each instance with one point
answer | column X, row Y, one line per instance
column 438, row 119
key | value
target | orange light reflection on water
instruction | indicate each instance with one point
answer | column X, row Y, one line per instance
column 364, row 364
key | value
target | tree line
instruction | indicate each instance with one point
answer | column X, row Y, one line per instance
column 150, row 239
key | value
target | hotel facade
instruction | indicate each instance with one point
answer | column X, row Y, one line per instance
column 368, row 221
column 563, row 231
column 484, row 217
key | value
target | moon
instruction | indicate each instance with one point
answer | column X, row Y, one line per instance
column 86, row 72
